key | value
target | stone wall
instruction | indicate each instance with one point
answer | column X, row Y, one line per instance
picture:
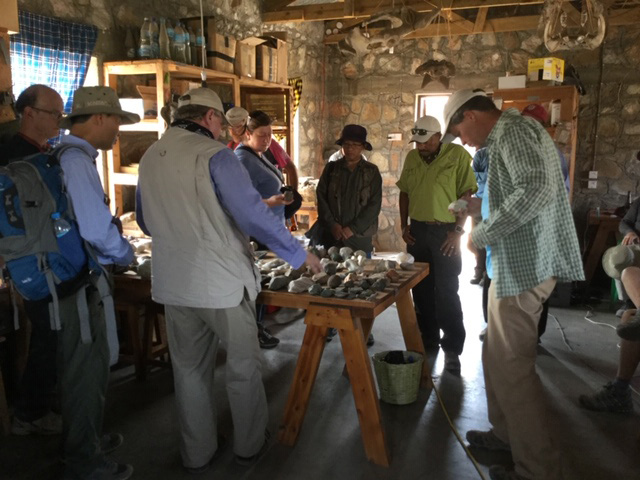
column 379, row 93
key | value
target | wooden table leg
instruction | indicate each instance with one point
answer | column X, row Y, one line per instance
column 364, row 393
column 411, row 334
column 304, row 377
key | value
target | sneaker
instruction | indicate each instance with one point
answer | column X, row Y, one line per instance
column 500, row 472
column 50, row 424
column 452, row 363
column 608, row 399
column 110, row 441
column 370, row 340
column 631, row 329
column 267, row 340
column 111, row 471
column 483, row 334
column 487, row 440
column 222, row 444
column 476, row 280
column 247, row 461
column 331, row 332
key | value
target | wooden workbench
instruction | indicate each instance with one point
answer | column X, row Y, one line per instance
column 353, row 319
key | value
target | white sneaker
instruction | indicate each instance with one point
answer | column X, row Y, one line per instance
column 50, row 424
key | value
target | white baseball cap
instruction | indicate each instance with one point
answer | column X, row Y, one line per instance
column 457, row 100
column 424, row 128
column 237, row 116
column 204, row 97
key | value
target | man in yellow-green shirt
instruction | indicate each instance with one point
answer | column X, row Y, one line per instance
column 435, row 175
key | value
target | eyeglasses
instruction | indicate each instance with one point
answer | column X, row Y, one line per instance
column 56, row 114
column 419, row 131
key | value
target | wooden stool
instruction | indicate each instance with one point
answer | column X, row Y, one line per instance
column 128, row 315
column 155, row 340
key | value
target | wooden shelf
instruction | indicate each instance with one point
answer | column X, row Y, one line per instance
column 241, row 88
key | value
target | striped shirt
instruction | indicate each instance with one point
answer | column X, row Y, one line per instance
column 530, row 228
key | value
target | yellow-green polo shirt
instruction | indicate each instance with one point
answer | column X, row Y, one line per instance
column 432, row 187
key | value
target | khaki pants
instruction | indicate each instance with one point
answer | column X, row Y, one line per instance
column 515, row 398
column 194, row 335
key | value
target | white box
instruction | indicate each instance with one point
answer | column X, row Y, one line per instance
column 514, row 81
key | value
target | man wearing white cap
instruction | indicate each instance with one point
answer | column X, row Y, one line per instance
column 433, row 176
column 198, row 203
column 533, row 244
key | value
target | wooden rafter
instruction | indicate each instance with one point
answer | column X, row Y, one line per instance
column 452, row 16
column 366, row 8
column 481, row 18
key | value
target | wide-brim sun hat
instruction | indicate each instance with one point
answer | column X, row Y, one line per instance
column 457, row 100
column 97, row 100
column 617, row 258
column 424, row 128
column 355, row 133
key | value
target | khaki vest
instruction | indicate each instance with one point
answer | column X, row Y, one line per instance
column 200, row 258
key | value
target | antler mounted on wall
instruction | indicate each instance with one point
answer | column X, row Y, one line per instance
column 559, row 35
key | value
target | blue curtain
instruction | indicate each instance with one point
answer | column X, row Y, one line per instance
column 52, row 52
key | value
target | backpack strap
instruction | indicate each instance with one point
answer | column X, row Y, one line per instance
column 272, row 168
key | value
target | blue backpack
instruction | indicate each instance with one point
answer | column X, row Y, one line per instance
column 39, row 263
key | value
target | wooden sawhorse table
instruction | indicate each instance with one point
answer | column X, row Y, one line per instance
column 353, row 319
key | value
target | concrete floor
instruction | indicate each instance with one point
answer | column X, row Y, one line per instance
column 422, row 445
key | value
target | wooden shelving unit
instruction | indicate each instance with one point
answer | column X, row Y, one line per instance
column 242, row 88
column 568, row 97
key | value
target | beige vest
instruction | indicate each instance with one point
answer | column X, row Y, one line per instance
column 200, row 257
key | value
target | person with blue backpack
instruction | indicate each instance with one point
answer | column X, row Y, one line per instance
column 39, row 109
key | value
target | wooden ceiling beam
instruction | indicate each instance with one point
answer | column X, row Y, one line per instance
column 481, row 18
column 366, row 8
column 452, row 16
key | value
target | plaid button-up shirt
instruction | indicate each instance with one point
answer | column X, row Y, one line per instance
column 530, row 228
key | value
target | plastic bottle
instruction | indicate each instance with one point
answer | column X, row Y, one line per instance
column 129, row 45
column 60, row 226
column 199, row 44
column 187, row 43
column 192, row 46
column 144, row 50
column 171, row 33
column 154, row 36
column 179, row 46
column 163, row 41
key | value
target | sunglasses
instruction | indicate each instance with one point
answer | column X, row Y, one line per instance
column 419, row 131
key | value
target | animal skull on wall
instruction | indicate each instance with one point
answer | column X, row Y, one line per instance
column 558, row 35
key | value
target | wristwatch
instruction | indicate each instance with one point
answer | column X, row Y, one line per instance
column 458, row 229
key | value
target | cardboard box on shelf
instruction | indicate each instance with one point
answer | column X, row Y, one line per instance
column 548, row 68
column 221, row 53
column 266, row 63
column 246, row 56
column 149, row 101
column 513, row 81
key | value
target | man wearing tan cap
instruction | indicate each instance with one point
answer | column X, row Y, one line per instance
column 533, row 244
column 94, row 123
column 433, row 176
column 198, row 203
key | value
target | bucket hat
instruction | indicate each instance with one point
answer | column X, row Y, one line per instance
column 237, row 116
column 617, row 258
column 96, row 100
column 425, row 128
column 354, row 133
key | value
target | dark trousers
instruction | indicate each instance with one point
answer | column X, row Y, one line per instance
column 542, row 324
column 38, row 382
column 436, row 297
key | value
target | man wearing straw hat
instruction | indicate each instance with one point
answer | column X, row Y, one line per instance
column 94, row 124
column 533, row 244
column 621, row 262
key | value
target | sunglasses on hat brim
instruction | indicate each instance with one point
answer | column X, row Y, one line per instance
column 420, row 131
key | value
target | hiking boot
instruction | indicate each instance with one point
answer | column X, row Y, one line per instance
column 110, row 441
column 452, row 363
column 500, row 472
column 487, row 440
column 631, row 329
column 476, row 280
column 49, row 424
column 608, row 399
column 111, row 470
column 267, row 340
column 370, row 340
column 247, row 461
column 483, row 334
column 331, row 332
column 222, row 444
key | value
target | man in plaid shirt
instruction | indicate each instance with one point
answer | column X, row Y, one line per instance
column 533, row 244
